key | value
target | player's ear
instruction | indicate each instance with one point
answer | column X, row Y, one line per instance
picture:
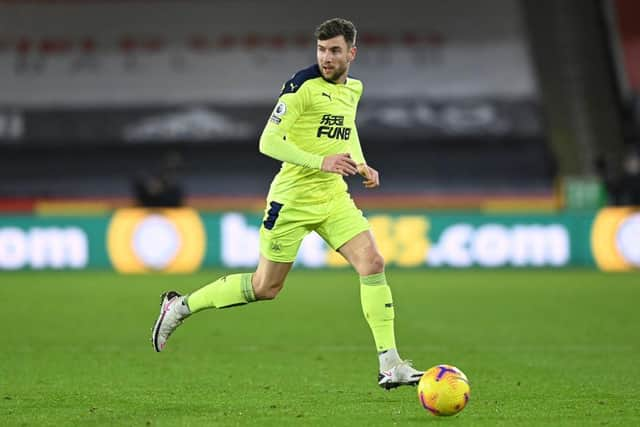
column 352, row 53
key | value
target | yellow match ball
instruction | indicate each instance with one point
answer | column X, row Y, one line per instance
column 444, row 390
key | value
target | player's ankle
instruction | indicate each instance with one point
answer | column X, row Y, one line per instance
column 388, row 359
column 183, row 306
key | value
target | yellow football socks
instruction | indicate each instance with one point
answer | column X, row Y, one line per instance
column 377, row 306
column 227, row 291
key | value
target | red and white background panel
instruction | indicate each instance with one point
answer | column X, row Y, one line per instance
column 625, row 19
column 72, row 53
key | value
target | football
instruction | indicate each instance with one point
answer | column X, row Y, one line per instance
column 444, row 390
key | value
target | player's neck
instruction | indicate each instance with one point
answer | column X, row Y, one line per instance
column 342, row 79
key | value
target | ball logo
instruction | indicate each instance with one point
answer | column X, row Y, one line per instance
column 165, row 240
column 615, row 239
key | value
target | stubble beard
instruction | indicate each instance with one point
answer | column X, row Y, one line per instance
column 337, row 74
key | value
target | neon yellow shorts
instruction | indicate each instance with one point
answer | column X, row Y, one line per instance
column 286, row 224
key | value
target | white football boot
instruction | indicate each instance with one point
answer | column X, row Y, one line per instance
column 401, row 374
column 172, row 312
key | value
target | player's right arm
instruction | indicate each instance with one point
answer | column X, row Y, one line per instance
column 273, row 141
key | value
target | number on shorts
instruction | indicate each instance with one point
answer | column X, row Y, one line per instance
column 272, row 215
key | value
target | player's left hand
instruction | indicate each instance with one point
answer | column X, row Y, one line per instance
column 371, row 176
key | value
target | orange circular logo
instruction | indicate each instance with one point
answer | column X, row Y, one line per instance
column 156, row 240
column 615, row 239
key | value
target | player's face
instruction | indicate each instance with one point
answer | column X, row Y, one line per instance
column 334, row 58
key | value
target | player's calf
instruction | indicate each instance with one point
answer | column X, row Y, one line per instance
column 266, row 289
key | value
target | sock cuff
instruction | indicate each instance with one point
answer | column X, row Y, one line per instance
column 247, row 287
column 374, row 279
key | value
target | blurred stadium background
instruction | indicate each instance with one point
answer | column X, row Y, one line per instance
column 507, row 135
column 482, row 108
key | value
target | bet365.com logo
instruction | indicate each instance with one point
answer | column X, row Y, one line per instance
column 164, row 240
column 615, row 239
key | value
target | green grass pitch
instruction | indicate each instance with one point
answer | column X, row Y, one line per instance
column 557, row 348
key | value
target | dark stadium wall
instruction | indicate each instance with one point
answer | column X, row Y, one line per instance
column 577, row 84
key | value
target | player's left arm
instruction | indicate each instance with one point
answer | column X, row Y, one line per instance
column 370, row 175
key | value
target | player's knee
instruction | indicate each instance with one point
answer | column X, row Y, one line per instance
column 377, row 263
column 374, row 264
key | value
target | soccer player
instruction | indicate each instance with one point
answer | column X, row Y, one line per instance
column 312, row 130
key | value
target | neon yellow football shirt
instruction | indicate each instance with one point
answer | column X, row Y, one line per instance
column 313, row 118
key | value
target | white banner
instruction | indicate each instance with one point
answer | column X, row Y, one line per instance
column 43, row 247
column 404, row 241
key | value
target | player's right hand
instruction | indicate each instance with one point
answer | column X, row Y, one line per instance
column 340, row 163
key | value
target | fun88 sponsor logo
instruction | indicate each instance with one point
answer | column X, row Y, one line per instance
column 333, row 127
column 43, row 247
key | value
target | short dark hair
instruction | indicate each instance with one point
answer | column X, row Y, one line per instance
column 337, row 27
